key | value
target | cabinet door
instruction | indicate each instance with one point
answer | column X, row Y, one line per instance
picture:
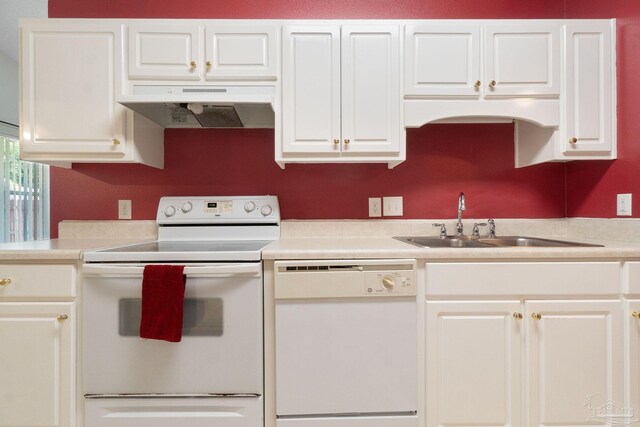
column 474, row 363
column 311, row 89
column 165, row 51
column 575, row 361
column 632, row 349
column 371, row 99
column 442, row 60
column 522, row 59
column 37, row 379
column 69, row 80
column 589, row 89
column 241, row 52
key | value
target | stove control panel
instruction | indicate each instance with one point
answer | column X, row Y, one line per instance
column 213, row 209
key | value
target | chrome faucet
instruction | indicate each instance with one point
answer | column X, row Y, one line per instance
column 461, row 207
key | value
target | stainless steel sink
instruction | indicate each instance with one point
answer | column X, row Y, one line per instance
column 447, row 242
column 500, row 241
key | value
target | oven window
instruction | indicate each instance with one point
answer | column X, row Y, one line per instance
column 202, row 317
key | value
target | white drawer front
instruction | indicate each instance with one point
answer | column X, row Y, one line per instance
column 631, row 283
column 523, row 278
column 36, row 281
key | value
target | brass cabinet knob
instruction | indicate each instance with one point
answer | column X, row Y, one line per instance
column 62, row 317
column 493, row 83
column 115, row 141
column 209, row 64
column 336, row 141
column 517, row 315
column 5, row 282
column 346, row 141
column 636, row 315
column 536, row 316
column 573, row 140
column 477, row 84
column 193, row 65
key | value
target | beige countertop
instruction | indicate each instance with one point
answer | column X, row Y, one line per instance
column 56, row 249
column 358, row 239
column 380, row 247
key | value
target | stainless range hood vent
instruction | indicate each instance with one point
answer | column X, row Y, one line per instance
column 204, row 106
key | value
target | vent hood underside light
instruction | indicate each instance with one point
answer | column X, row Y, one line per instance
column 204, row 106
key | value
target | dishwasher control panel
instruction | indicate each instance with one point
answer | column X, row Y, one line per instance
column 389, row 283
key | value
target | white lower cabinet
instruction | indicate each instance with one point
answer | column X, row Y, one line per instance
column 574, row 361
column 503, row 348
column 37, row 364
column 632, row 369
column 474, row 352
column 37, row 345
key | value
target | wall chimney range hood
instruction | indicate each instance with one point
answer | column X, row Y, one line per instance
column 204, row 106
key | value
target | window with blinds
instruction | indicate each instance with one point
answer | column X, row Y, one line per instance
column 24, row 208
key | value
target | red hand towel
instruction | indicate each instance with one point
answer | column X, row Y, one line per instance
column 162, row 302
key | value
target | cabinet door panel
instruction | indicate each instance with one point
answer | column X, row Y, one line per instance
column 474, row 372
column 523, row 59
column 161, row 51
column 241, row 52
column 311, row 89
column 36, row 365
column 442, row 60
column 370, row 89
column 589, row 88
column 64, row 110
column 575, row 360
column 632, row 347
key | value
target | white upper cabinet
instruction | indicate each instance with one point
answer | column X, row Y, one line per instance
column 70, row 74
column 341, row 93
column 473, row 60
column 522, row 59
column 442, row 59
column 311, row 89
column 590, row 90
column 199, row 51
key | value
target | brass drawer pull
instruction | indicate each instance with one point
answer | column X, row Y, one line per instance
column 517, row 315
column 5, row 282
column 636, row 315
column 536, row 316
column 62, row 317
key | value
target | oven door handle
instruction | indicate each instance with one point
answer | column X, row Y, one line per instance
column 136, row 270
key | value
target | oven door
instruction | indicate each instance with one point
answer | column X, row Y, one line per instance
column 221, row 347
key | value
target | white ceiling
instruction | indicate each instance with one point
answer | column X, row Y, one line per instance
column 10, row 12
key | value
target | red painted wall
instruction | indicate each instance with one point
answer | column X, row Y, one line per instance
column 442, row 159
column 592, row 186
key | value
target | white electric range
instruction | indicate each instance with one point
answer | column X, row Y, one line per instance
column 214, row 376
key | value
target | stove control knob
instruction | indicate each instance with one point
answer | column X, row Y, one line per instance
column 266, row 210
column 169, row 211
column 388, row 282
column 249, row 206
column 186, row 207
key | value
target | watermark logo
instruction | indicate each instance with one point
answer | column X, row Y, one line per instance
column 609, row 412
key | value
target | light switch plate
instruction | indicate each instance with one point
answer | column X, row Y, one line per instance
column 392, row 206
column 375, row 207
column 623, row 205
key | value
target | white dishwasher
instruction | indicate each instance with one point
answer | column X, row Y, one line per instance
column 346, row 343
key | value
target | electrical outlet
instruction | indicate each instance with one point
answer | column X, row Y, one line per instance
column 392, row 206
column 623, row 206
column 124, row 209
column 375, row 207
